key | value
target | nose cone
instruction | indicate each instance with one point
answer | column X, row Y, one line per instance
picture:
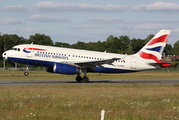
column 4, row 55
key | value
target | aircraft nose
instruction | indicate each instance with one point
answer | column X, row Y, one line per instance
column 4, row 55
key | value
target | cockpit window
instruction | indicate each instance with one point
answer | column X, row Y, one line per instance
column 16, row 49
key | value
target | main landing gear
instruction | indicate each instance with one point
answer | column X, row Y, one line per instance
column 79, row 79
column 27, row 69
column 85, row 79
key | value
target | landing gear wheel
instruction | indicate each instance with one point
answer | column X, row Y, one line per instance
column 79, row 79
column 26, row 73
column 27, row 69
column 85, row 80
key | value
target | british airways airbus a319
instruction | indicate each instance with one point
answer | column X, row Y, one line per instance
column 74, row 61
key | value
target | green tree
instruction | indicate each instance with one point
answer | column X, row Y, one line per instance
column 10, row 40
column 1, row 46
column 79, row 45
column 40, row 39
column 90, row 46
column 137, row 44
column 60, row 44
column 99, row 46
column 176, row 48
column 168, row 49
column 129, row 50
column 125, row 41
column 110, row 38
column 7, row 42
column 114, row 44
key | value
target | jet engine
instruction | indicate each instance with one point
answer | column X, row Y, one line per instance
column 63, row 69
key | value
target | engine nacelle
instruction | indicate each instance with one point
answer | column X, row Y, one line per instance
column 63, row 69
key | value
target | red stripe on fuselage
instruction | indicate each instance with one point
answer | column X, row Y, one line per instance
column 35, row 49
column 159, row 39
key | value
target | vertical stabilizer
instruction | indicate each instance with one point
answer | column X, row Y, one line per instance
column 155, row 47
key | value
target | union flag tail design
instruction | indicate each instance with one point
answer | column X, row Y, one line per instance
column 155, row 47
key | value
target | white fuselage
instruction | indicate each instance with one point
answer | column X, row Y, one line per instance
column 48, row 55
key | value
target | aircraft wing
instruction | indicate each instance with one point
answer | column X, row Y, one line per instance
column 92, row 64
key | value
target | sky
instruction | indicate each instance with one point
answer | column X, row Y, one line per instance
column 71, row 21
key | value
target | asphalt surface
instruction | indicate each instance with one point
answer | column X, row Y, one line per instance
column 119, row 81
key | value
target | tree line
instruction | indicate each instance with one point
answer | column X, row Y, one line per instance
column 121, row 44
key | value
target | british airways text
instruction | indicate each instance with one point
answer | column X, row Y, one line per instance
column 51, row 56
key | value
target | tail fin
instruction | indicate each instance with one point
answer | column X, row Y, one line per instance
column 155, row 47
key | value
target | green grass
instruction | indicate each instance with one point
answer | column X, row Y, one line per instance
column 85, row 102
column 42, row 75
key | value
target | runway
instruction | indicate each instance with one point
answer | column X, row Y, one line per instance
column 118, row 81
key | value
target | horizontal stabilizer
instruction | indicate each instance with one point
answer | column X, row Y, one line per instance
column 156, row 64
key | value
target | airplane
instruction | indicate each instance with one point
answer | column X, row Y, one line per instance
column 74, row 61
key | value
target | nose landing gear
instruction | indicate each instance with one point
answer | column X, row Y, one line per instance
column 27, row 69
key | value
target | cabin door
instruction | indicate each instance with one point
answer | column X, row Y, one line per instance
column 133, row 62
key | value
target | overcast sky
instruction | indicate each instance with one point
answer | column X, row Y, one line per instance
column 90, row 20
